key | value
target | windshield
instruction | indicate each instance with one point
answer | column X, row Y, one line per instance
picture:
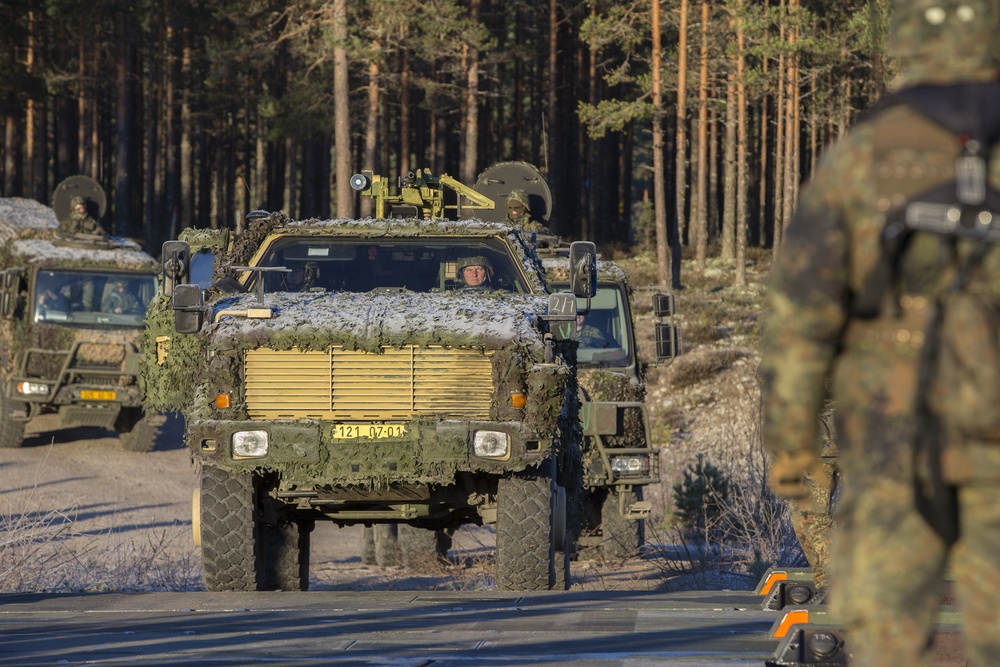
column 603, row 332
column 418, row 265
column 91, row 298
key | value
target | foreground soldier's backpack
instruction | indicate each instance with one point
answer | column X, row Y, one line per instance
column 932, row 176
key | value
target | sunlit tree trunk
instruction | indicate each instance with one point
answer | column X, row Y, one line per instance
column 790, row 170
column 659, row 175
column 681, row 139
column 187, row 202
column 371, row 124
column 740, row 278
column 700, row 221
column 728, row 250
column 342, row 113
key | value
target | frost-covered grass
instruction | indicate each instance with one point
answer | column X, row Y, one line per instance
column 45, row 552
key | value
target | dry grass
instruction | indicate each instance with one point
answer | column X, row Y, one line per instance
column 45, row 552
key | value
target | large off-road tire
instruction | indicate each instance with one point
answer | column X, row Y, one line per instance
column 284, row 556
column 526, row 554
column 11, row 431
column 386, row 545
column 368, row 545
column 138, row 431
column 241, row 551
column 228, row 531
column 622, row 536
column 420, row 547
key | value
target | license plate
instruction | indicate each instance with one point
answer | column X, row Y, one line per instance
column 369, row 431
column 98, row 395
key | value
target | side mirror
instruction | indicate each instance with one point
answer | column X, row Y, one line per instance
column 666, row 341
column 176, row 265
column 583, row 269
column 189, row 308
column 664, row 305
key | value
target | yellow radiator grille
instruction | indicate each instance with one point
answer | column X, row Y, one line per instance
column 360, row 386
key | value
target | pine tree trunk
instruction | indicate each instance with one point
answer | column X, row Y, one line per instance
column 681, row 141
column 342, row 113
column 405, row 111
column 470, row 153
column 371, row 125
column 729, row 208
column 659, row 175
column 700, row 221
column 779, row 144
column 741, row 153
column 763, row 154
column 187, row 165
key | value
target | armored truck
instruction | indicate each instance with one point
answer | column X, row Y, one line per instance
column 619, row 458
column 71, row 316
column 340, row 370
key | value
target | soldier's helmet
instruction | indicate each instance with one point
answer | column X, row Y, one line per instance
column 76, row 201
column 518, row 195
column 945, row 41
column 476, row 260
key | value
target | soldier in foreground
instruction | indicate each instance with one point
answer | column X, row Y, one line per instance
column 889, row 281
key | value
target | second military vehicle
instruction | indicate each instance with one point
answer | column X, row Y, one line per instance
column 71, row 315
column 341, row 370
column 618, row 452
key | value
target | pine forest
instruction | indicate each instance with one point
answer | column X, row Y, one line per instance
column 684, row 124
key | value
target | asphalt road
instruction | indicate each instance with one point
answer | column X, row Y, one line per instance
column 397, row 628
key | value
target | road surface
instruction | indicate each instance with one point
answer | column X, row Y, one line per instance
column 395, row 628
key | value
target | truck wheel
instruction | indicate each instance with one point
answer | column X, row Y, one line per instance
column 526, row 554
column 284, row 556
column 228, row 533
column 622, row 536
column 11, row 431
column 386, row 545
column 420, row 547
column 137, row 431
column 368, row 545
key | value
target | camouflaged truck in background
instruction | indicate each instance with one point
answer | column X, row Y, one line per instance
column 63, row 347
column 373, row 391
column 619, row 458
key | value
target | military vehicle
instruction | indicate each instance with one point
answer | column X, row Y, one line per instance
column 71, row 316
column 619, row 457
column 337, row 370
column 618, row 452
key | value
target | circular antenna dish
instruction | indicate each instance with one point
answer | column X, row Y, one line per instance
column 497, row 182
column 79, row 186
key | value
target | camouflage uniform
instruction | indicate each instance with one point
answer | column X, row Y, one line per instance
column 812, row 517
column 896, row 442
column 519, row 213
column 79, row 221
column 590, row 336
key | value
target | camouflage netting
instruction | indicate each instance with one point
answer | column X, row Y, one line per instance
column 600, row 385
column 371, row 321
column 45, row 253
column 168, row 387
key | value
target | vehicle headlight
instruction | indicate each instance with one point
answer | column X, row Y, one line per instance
column 32, row 388
column 250, row 443
column 491, row 444
column 629, row 466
